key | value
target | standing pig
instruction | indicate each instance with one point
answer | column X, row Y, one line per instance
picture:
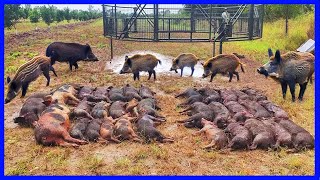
column 288, row 72
column 184, row 60
column 138, row 62
column 26, row 74
column 70, row 52
column 223, row 63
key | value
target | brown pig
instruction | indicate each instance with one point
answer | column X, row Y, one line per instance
column 138, row 62
column 218, row 138
column 107, row 130
column 184, row 60
column 124, row 130
column 223, row 63
column 241, row 137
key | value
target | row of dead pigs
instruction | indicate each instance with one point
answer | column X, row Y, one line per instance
column 241, row 119
column 99, row 114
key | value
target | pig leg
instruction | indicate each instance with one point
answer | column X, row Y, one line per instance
column 284, row 87
column 237, row 74
column 181, row 72
column 68, row 138
column 192, row 70
column 292, row 87
column 134, row 76
column 175, row 71
column 61, row 142
column 46, row 74
column 150, row 73
column 212, row 144
column 212, row 75
column 24, row 89
column 302, row 90
column 154, row 75
column 70, row 65
column 76, row 65
column 230, row 76
column 138, row 76
column 54, row 72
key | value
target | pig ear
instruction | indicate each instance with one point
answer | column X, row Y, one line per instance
column 126, row 58
column 8, row 79
column 202, row 63
column 270, row 53
column 88, row 48
column 277, row 56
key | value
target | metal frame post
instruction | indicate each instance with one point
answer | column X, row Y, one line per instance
column 104, row 20
column 156, row 22
column 250, row 22
column 115, row 20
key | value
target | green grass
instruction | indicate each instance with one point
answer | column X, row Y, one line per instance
column 274, row 37
column 26, row 25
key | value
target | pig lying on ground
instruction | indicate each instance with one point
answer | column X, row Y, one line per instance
column 146, row 92
column 52, row 127
column 221, row 114
column 191, row 100
column 146, row 129
column 119, row 108
column 283, row 137
column 32, row 109
column 79, row 128
column 107, row 130
column 131, row 92
column 188, row 93
column 300, row 137
column 239, row 112
column 276, row 110
column 263, row 135
column 255, row 109
column 85, row 91
column 92, row 132
column 218, row 138
column 83, row 109
column 100, row 110
column 241, row 137
column 124, row 130
column 228, row 95
column 65, row 95
column 149, row 106
column 116, row 94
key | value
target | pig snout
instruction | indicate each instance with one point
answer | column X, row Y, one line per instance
column 263, row 71
column 121, row 72
column 204, row 75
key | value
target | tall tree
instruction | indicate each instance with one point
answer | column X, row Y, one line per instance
column 67, row 14
column 11, row 15
column 47, row 14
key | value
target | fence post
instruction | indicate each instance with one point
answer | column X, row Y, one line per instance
column 287, row 14
column 250, row 23
column 135, row 29
column 104, row 20
column 262, row 18
column 115, row 20
column 156, row 23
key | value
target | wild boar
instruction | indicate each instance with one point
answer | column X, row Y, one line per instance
column 276, row 110
column 124, row 130
column 107, row 130
column 85, row 91
column 283, row 137
column 65, row 95
column 262, row 134
column 92, row 132
column 146, row 129
column 116, row 94
column 131, row 92
column 293, row 55
column 241, row 137
column 79, row 128
column 119, row 108
column 288, row 72
column 100, row 110
column 138, row 62
column 195, row 119
column 196, row 108
column 228, row 95
column 146, row 92
column 253, row 94
column 53, row 126
column 83, row 109
column 240, row 113
column 70, row 52
column 223, row 63
column 218, row 138
column 255, row 109
column 184, row 60
column 188, row 92
column 300, row 137
column 191, row 100
column 221, row 114
column 27, row 73
column 150, row 107
column 99, row 94
column 32, row 109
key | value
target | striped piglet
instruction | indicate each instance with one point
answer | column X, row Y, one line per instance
column 27, row 73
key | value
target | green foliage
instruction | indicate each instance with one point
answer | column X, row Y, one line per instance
column 34, row 15
column 275, row 12
column 12, row 14
column 59, row 15
column 67, row 15
column 47, row 14
column 74, row 14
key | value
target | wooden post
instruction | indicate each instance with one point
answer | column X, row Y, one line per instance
column 287, row 14
column 135, row 29
column 115, row 20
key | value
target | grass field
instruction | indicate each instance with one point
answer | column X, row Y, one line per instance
column 24, row 157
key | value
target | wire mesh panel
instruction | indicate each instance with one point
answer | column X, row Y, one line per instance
column 179, row 22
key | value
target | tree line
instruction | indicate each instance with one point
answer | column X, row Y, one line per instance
column 13, row 13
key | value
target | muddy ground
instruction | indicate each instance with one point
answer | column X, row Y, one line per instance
column 185, row 156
